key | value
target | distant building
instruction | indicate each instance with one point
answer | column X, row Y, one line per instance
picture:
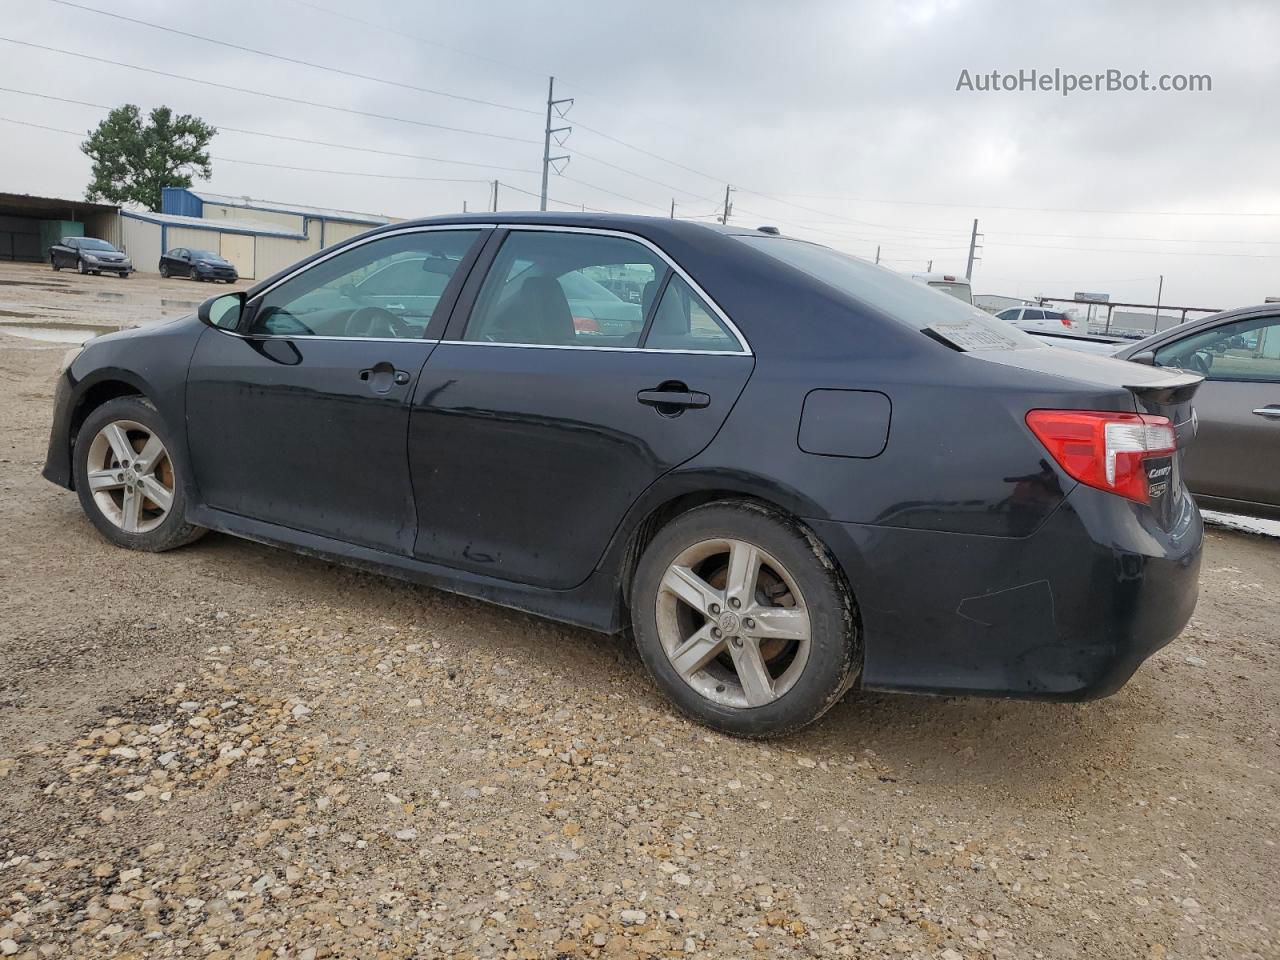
column 29, row 225
column 261, row 237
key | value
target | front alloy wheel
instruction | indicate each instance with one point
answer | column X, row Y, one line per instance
column 128, row 478
column 744, row 620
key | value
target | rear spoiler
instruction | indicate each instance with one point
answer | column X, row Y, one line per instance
column 1175, row 388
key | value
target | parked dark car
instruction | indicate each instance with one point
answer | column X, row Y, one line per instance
column 89, row 255
column 1234, row 464
column 197, row 265
column 801, row 473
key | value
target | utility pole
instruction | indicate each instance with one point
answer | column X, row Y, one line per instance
column 673, row 208
column 464, row 206
column 929, row 268
column 973, row 249
column 877, row 253
column 495, row 196
column 1159, row 293
column 547, row 158
column 728, row 206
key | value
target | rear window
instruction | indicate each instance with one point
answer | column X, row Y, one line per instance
column 907, row 301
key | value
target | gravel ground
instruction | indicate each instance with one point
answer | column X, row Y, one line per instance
column 233, row 752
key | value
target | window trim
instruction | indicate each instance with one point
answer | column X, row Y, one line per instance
column 673, row 268
column 251, row 304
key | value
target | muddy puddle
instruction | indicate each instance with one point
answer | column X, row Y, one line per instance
column 55, row 332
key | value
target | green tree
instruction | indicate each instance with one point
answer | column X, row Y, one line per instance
column 134, row 157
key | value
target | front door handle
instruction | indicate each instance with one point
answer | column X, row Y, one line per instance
column 680, row 397
column 1271, row 412
column 381, row 377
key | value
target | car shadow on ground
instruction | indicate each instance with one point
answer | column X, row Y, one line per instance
column 1028, row 749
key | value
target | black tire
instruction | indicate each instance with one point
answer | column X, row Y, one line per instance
column 835, row 652
column 173, row 531
column 81, row 267
column 164, row 271
column 53, row 262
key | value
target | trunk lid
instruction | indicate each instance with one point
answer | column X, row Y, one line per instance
column 1155, row 391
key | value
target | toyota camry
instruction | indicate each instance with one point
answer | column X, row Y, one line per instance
column 788, row 472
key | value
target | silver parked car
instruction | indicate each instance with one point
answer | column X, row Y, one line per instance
column 1234, row 464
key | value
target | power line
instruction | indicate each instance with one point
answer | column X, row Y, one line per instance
column 970, row 205
column 1154, row 253
column 347, row 173
column 350, row 173
column 295, row 60
column 280, row 136
column 263, row 93
column 578, row 154
column 278, row 166
column 405, row 35
column 1104, row 236
column 620, row 196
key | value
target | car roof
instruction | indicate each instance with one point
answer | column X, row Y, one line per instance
column 627, row 223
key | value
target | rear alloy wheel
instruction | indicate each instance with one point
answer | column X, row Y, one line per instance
column 127, row 479
column 164, row 271
column 743, row 622
column 53, row 262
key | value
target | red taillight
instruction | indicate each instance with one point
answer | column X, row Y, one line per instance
column 585, row 325
column 1105, row 450
column 1066, row 321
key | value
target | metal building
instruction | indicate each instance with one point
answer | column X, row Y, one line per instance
column 29, row 225
column 260, row 237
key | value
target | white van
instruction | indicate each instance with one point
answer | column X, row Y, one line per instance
column 957, row 287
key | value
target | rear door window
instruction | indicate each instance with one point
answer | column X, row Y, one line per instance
column 684, row 321
column 547, row 288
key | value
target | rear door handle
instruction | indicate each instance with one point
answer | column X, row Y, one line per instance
column 1271, row 412
column 674, row 398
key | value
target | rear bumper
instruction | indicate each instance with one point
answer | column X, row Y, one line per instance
column 1067, row 613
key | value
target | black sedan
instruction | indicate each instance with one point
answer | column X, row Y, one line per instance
column 89, row 255
column 800, row 473
column 197, row 265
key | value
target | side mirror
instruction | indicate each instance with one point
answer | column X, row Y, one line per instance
column 222, row 312
column 1146, row 356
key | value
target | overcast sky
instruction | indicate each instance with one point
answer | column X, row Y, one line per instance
column 839, row 121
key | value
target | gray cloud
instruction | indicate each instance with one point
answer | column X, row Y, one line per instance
column 833, row 107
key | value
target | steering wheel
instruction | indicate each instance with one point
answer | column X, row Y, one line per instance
column 1200, row 363
column 372, row 322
